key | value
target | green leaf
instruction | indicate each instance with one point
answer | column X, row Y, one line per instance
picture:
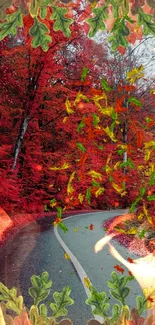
column 88, row 195
column 63, row 227
column 96, row 119
column 43, row 310
column 119, row 33
column 116, row 309
column 146, row 21
column 123, row 281
column 40, row 32
column 142, row 233
column 9, row 26
column 135, row 101
column 35, row 317
column 85, row 71
column 81, row 147
column 62, row 300
column 9, row 296
column 41, row 286
column 152, row 179
column 115, row 295
column 62, row 23
column 98, row 299
column 151, row 198
column 141, row 304
column 80, row 126
column 142, row 191
column 97, row 23
column 105, row 85
column 125, row 292
column 59, row 212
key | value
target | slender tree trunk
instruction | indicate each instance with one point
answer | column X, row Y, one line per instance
column 23, row 129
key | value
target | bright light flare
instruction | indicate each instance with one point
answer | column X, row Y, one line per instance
column 5, row 222
column 143, row 269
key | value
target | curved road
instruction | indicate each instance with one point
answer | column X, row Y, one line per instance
column 37, row 248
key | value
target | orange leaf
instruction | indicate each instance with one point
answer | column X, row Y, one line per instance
column 91, row 227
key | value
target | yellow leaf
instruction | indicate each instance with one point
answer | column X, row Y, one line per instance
column 70, row 189
column 95, row 174
column 106, row 111
column 146, row 214
column 132, row 231
column 150, row 170
column 87, row 282
column 149, row 293
column 97, row 99
column 64, row 166
column 147, row 154
column 81, row 197
column 149, row 144
column 2, row 321
column 140, row 167
column 110, row 134
column 107, row 167
column 68, row 107
column 76, row 229
column 99, row 191
column 66, row 256
column 120, row 230
column 118, row 189
column 140, row 217
column 117, row 165
column 135, row 74
column 79, row 97
column 65, row 119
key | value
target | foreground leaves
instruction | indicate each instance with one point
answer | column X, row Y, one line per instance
column 62, row 23
column 40, row 33
column 62, row 300
column 9, row 27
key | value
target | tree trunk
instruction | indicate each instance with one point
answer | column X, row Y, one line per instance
column 18, row 144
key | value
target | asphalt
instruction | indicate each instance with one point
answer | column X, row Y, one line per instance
column 35, row 249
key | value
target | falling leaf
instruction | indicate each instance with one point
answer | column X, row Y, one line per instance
column 135, row 74
column 119, row 268
column 81, row 197
column 66, row 256
column 64, row 166
column 110, row 134
column 76, row 229
column 95, row 174
column 87, row 282
column 130, row 260
column 79, row 97
column 91, row 227
column 68, row 107
column 97, row 100
column 69, row 186
column 99, row 191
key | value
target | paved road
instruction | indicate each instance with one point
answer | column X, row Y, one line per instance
column 36, row 249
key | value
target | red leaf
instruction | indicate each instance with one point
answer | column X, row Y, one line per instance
column 119, row 268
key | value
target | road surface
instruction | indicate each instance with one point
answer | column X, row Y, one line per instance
column 36, row 249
